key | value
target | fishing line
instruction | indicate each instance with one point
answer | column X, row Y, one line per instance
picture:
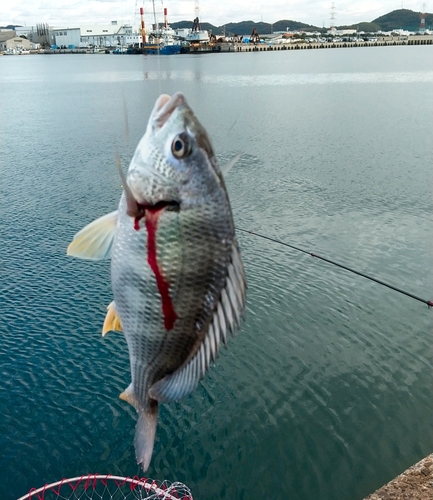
column 429, row 303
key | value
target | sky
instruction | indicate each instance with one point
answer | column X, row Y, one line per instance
column 74, row 13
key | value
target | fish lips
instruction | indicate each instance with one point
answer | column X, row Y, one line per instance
column 164, row 108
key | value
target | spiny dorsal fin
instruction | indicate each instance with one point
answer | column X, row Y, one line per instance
column 229, row 310
column 94, row 242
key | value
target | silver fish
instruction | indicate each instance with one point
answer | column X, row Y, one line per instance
column 177, row 276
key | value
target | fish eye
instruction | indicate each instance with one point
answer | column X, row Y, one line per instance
column 181, row 146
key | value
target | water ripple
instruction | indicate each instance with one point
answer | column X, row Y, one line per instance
column 326, row 390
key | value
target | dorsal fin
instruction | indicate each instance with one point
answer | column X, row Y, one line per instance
column 228, row 310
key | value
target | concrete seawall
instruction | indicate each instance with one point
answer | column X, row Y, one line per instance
column 232, row 47
column 388, row 42
column 415, row 483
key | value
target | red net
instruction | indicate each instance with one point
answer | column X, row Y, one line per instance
column 107, row 487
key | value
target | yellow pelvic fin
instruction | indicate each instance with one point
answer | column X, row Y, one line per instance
column 112, row 320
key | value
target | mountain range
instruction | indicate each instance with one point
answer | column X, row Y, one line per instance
column 397, row 19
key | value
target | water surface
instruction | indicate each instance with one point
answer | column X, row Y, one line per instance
column 327, row 391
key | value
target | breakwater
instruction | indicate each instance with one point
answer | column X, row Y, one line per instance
column 385, row 42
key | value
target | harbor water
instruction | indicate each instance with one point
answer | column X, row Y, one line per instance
column 327, row 391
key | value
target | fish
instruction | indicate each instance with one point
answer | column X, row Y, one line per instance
column 177, row 275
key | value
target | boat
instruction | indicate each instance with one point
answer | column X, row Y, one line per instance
column 165, row 37
column 198, row 40
column 161, row 40
column 16, row 51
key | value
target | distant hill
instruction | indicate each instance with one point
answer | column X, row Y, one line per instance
column 397, row 19
column 204, row 26
column 367, row 27
column 402, row 19
column 10, row 27
column 246, row 27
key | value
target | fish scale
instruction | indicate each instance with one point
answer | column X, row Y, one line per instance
column 177, row 277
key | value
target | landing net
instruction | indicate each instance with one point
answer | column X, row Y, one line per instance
column 107, row 487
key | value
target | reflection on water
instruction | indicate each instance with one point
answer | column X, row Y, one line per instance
column 228, row 80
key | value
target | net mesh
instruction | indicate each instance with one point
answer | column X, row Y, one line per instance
column 107, row 487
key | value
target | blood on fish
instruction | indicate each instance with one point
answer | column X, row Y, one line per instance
column 151, row 221
column 141, row 211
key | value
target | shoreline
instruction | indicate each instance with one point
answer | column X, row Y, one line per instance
column 233, row 47
column 415, row 483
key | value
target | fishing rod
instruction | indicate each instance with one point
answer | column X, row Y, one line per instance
column 429, row 303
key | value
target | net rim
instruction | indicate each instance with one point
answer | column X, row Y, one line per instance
column 149, row 485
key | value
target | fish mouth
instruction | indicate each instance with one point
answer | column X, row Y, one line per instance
column 138, row 210
column 146, row 210
column 164, row 107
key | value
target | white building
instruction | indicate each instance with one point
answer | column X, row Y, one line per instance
column 95, row 35
column 110, row 35
column 66, row 38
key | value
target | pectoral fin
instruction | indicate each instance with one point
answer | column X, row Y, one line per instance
column 112, row 320
column 94, row 242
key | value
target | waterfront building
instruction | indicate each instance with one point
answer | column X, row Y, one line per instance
column 110, row 35
column 66, row 37
column 17, row 45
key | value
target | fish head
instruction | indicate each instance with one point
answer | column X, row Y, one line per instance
column 174, row 162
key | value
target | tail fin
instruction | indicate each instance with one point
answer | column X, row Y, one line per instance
column 145, row 433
